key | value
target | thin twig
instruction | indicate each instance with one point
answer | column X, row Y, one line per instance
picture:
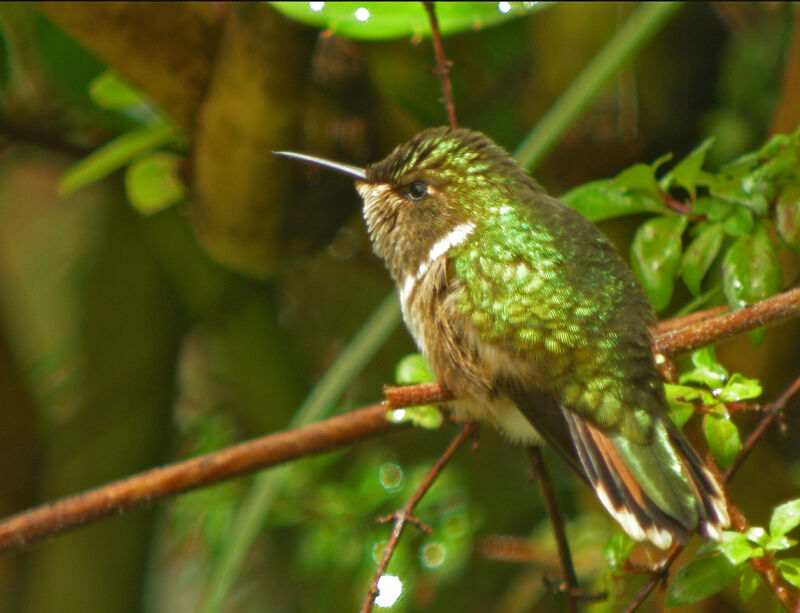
column 406, row 514
column 556, row 521
column 442, row 66
column 659, row 574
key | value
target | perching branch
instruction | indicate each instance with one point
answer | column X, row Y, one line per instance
column 406, row 514
column 151, row 486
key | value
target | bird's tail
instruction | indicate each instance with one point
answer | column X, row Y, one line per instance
column 658, row 491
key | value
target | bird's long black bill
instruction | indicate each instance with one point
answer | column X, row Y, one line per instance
column 347, row 169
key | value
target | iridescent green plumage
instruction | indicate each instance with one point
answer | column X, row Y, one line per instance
column 524, row 309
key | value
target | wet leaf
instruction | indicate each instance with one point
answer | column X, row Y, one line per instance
column 382, row 20
column 699, row 255
column 751, row 272
column 723, row 438
column 656, row 256
column 785, row 518
column 707, row 370
column 739, row 388
column 737, row 548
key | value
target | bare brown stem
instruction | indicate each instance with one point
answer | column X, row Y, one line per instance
column 442, row 66
column 688, row 338
column 406, row 514
column 145, row 488
column 557, row 522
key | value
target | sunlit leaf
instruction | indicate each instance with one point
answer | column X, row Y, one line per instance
column 706, row 369
column 425, row 416
column 600, row 200
column 617, row 550
column 152, row 182
column 739, row 388
column 737, row 548
column 699, row 255
column 785, row 518
column 723, row 438
column 382, row 20
column 656, row 256
column 113, row 156
column 699, row 579
column 413, row 369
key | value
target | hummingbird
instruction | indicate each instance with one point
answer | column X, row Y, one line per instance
column 533, row 321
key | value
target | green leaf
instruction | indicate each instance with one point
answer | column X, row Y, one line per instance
column 152, row 182
column 779, row 543
column 787, row 218
column 707, row 370
column 699, row 579
column 425, row 416
column 751, row 272
column 656, row 256
column 617, row 550
column 382, row 20
column 723, row 438
column 413, row 369
column 114, row 155
column 757, row 534
column 790, row 570
column 639, row 177
column 605, row 199
column 739, row 388
column 111, row 91
column 713, row 208
column 732, row 190
column 685, row 393
column 748, row 582
column 699, row 255
column 737, row 548
column 739, row 222
column 680, row 413
column 688, row 173
column 785, row 518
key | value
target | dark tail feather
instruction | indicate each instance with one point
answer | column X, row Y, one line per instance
column 659, row 491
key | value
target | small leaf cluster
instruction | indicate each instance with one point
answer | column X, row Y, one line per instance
column 414, row 370
column 152, row 182
column 710, row 384
column 720, row 564
column 718, row 232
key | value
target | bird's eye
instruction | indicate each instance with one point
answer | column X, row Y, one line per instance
column 417, row 190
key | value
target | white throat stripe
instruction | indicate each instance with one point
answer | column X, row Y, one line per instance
column 456, row 236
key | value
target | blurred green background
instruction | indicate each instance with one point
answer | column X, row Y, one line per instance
column 188, row 293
